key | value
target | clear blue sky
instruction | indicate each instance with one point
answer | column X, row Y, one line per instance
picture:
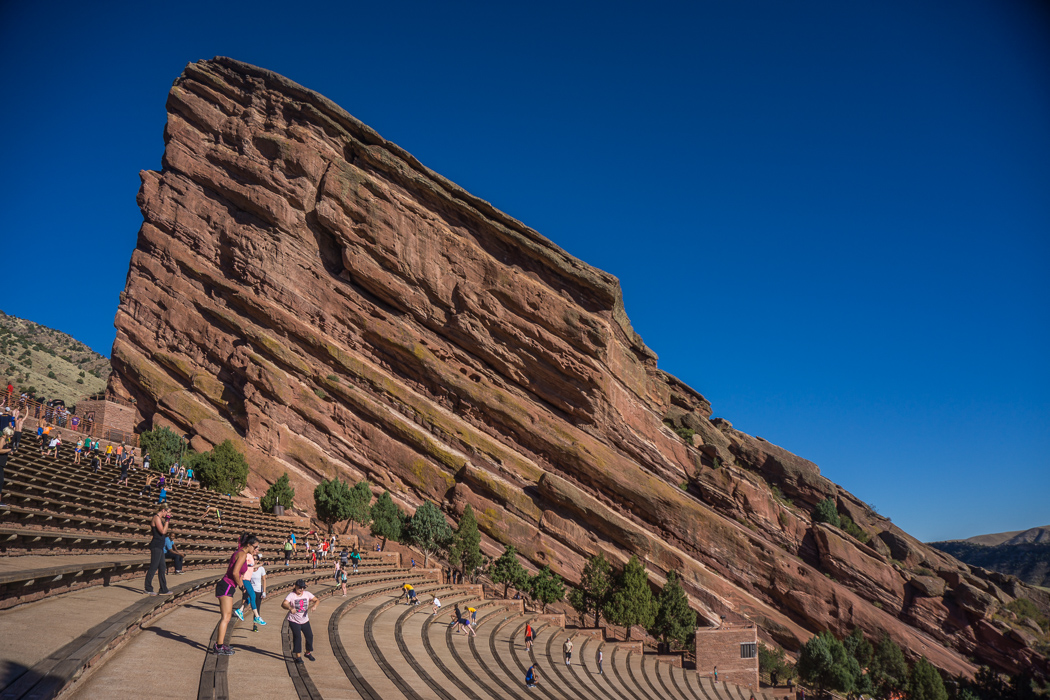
column 832, row 219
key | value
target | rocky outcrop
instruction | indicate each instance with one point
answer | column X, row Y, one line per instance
column 312, row 292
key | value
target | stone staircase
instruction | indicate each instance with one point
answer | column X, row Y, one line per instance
column 103, row 641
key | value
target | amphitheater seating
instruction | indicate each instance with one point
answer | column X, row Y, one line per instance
column 83, row 536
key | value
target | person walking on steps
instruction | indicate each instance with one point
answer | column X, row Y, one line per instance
column 342, row 580
column 355, row 559
column 16, row 440
column 230, row 582
column 249, row 592
column 299, row 603
column 288, row 551
column 529, row 634
column 158, row 528
column 601, row 658
column 5, row 451
column 567, row 647
column 259, row 586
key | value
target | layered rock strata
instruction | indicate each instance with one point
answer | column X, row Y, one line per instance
column 311, row 291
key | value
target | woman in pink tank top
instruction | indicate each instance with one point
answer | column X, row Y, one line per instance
column 230, row 582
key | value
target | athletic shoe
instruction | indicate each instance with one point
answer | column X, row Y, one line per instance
column 255, row 628
column 310, row 655
column 299, row 660
column 239, row 614
column 223, row 650
column 166, row 593
column 260, row 621
column 151, row 593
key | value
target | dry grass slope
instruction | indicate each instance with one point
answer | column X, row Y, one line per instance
column 30, row 353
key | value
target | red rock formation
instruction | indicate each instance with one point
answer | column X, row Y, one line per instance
column 314, row 293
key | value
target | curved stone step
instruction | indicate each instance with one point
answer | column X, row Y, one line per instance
column 552, row 645
column 381, row 638
column 638, row 673
column 681, row 678
column 620, row 659
column 437, row 659
column 660, row 674
column 492, row 648
column 327, row 676
column 583, row 678
column 605, row 682
column 464, row 653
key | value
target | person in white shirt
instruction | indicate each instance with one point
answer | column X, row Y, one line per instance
column 259, row 584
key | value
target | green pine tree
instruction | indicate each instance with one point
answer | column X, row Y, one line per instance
column 888, row 669
column 546, row 587
column 632, row 602
column 509, row 571
column 824, row 662
column 223, row 469
column 596, row 584
column 675, row 621
column 332, row 502
column 164, row 445
column 428, row 530
column 279, row 493
column 360, row 504
column 387, row 519
column 925, row 683
column 465, row 550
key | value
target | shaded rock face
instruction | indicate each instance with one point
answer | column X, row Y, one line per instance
column 309, row 290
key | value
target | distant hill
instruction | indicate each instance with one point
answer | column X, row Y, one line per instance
column 53, row 363
column 1021, row 553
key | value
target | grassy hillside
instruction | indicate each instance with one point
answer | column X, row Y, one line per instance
column 1028, row 561
column 53, row 363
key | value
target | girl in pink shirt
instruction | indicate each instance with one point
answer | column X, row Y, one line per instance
column 299, row 603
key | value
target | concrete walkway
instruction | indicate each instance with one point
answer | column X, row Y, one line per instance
column 29, row 633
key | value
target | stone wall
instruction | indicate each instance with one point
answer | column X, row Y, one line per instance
column 722, row 648
column 113, row 416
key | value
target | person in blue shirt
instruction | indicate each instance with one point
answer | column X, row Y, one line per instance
column 530, row 677
column 171, row 553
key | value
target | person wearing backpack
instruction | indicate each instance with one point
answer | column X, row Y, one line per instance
column 288, row 552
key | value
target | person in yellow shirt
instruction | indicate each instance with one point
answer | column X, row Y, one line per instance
column 109, row 453
column 410, row 593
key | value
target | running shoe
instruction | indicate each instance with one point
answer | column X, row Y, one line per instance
column 260, row 621
column 166, row 593
column 299, row 660
column 310, row 655
column 239, row 614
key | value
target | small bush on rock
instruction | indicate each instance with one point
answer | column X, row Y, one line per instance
column 826, row 512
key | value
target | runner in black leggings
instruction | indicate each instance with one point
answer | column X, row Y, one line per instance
column 299, row 603
column 158, row 527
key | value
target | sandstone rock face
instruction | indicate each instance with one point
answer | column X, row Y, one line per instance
column 312, row 292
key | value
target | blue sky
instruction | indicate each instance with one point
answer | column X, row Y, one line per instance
column 832, row 219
